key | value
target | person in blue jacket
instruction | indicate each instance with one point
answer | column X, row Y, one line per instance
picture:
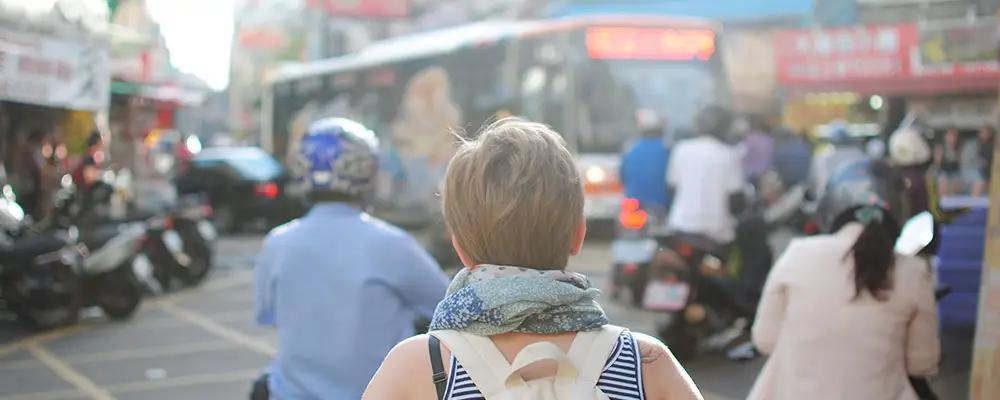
column 341, row 287
column 644, row 165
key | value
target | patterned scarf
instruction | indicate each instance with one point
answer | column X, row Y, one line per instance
column 492, row 299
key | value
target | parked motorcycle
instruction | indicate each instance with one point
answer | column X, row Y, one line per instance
column 39, row 280
column 180, row 243
column 115, row 273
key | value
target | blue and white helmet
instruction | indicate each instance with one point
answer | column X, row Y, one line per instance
column 338, row 155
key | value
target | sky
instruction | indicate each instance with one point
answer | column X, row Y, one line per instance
column 198, row 34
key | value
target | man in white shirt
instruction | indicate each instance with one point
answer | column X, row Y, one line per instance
column 706, row 177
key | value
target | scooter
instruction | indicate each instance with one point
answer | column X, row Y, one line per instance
column 633, row 248
column 115, row 274
column 39, row 274
column 181, row 244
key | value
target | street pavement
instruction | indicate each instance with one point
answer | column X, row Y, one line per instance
column 202, row 344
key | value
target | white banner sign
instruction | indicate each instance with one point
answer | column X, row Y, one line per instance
column 54, row 72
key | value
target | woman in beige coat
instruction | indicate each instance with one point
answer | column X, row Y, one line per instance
column 842, row 315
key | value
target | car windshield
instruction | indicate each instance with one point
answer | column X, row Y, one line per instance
column 252, row 164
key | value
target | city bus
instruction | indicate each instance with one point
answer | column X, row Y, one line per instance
column 585, row 77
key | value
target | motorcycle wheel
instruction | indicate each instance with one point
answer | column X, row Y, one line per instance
column 199, row 265
column 120, row 297
column 69, row 298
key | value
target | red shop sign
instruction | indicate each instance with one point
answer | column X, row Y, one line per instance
column 842, row 54
column 363, row 8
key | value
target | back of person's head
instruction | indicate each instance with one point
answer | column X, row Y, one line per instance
column 513, row 196
column 94, row 139
column 871, row 193
column 650, row 123
column 714, row 120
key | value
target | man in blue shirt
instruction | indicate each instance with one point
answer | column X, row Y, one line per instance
column 341, row 286
column 644, row 165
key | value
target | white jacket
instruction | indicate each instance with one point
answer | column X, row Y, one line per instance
column 823, row 345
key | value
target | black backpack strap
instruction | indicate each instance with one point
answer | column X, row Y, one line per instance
column 437, row 366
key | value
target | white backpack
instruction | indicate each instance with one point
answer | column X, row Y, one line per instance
column 579, row 369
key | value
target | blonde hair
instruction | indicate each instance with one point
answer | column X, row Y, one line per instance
column 513, row 196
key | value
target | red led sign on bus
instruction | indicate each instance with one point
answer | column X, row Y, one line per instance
column 650, row 43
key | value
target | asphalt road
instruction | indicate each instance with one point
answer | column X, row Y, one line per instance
column 201, row 344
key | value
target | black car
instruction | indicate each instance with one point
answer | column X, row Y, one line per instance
column 244, row 185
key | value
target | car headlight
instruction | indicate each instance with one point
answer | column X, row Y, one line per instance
column 595, row 175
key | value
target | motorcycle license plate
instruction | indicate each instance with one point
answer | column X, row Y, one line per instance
column 635, row 251
column 664, row 296
column 206, row 230
column 173, row 241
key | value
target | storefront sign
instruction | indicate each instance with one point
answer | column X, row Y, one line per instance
column 363, row 8
column 53, row 72
column 843, row 54
column 68, row 16
column 954, row 50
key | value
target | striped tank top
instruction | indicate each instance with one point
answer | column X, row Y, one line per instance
column 621, row 379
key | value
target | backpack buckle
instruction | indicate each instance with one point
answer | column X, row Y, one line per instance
column 440, row 377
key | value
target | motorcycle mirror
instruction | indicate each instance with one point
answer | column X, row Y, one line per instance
column 73, row 234
column 66, row 182
column 916, row 234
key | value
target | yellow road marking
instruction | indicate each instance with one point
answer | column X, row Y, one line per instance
column 247, row 376
column 50, row 395
column 236, row 279
column 68, row 374
column 131, row 354
column 224, row 332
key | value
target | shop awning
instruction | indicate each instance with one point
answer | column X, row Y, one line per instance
column 165, row 93
column 720, row 9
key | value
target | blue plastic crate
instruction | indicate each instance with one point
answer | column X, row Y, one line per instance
column 962, row 244
column 976, row 216
column 964, row 277
column 958, row 310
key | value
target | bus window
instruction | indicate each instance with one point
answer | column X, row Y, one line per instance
column 613, row 84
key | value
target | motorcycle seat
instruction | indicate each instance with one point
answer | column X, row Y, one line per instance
column 30, row 247
column 700, row 242
column 99, row 236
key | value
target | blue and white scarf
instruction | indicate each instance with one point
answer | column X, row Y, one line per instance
column 493, row 299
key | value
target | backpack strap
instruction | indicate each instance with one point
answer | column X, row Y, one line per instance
column 486, row 365
column 536, row 352
column 589, row 351
column 437, row 366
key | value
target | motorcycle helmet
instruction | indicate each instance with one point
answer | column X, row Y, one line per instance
column 907, row 148
column 337, row 157
column 714, row 120
column 837, row 133
column 859, row 183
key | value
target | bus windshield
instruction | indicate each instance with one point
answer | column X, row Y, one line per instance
column 613, row 87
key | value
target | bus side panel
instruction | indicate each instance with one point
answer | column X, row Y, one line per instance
column 298, row 103
column 430, row 101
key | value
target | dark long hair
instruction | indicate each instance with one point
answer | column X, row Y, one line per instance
column 874, row 254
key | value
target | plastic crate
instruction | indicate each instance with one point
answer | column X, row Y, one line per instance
column 964, row 277
column 962, row 243
column 976, row 216
column 958, row 310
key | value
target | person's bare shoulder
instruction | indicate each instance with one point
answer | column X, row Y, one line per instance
column 405, row 373
column 663, row 376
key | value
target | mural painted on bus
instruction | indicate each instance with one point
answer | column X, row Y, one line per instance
column 422, row 140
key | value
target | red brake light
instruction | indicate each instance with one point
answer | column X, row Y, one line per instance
column 631, row 216
column 269, row 190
